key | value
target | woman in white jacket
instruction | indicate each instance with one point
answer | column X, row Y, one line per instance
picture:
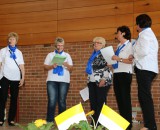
column 146, row 68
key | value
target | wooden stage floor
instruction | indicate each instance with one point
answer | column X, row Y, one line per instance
column 6, row 127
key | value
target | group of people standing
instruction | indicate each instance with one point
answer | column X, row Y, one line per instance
column 142, row 54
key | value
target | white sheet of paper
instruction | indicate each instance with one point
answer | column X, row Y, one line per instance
column 107, row 53
column 84, row 94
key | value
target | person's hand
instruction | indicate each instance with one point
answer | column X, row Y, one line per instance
column 114, row 57
column 65, row 64
column 102, row 83
column 21, row 82
column 54, row 65
column 110, row 66
column 131, row 57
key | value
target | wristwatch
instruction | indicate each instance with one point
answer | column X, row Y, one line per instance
column 121, row 60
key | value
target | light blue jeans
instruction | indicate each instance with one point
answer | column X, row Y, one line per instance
column 57, row 92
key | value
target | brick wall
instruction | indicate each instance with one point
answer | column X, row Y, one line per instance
column 33, row 98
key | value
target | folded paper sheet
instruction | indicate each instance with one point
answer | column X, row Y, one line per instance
column 58, row 59
column 107, row 53
column 84, row 94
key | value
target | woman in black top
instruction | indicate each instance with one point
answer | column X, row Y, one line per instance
column 99, row 77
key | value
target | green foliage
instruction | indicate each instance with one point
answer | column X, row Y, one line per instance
column 83, row 125
column 32, row 126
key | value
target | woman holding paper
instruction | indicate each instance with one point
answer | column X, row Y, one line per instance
column 122, row 76
column 58, row 79
column 99, row 77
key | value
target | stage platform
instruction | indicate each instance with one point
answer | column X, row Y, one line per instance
column 6, row 127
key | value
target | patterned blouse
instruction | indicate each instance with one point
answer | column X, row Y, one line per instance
column 101, row 70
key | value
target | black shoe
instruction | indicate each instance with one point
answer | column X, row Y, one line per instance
column 154, row 128
column 129, row 127
column 1, row 124
column 11, row 123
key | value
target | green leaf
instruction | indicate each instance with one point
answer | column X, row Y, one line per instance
column 82, row 125
column 100, row 127
column 42, row 127
column 31, row 126
column 23, row 127
column 48, row 126
column 75, row 125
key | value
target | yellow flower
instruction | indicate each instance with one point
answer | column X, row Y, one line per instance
column 40, row 122
column 90, row 113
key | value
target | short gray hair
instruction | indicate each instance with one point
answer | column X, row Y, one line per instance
column 58, row 40
column 101, row 40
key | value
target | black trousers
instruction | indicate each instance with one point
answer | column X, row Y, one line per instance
column 122, row 89
column 144, row 80
column 97, row 97
column 14, row 90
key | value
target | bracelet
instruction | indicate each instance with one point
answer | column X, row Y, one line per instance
column 121, row 60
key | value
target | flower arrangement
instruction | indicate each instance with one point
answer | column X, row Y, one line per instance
column 84, row 125
column 38, row 125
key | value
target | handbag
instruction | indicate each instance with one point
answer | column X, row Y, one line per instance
column 19, row 69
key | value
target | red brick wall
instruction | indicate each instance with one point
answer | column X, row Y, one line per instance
column 33, row 98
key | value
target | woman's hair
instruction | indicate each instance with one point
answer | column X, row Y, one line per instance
column 126, row 31
column 58, row 40
column 13, row 34
column 143, row 20
column 101, row 40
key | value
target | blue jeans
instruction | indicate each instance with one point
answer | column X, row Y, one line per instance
column 57, row 91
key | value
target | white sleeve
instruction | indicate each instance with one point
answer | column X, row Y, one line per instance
column 130, row 50
column 69, row 59
column 1, row 56
column 48, row 59
column 21, row 60
column 143, row 45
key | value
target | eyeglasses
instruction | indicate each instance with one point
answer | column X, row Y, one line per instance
column 99, row 43
column 60, row 45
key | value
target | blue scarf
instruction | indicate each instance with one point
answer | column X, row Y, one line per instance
column 115, row 66
column 13, row 49
column 89, row 64
column 59, row 69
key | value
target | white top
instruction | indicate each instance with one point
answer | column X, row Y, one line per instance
column 146, row 51
column 124, row 54
column 55, row 77
column 9, row 69
column 91, row 77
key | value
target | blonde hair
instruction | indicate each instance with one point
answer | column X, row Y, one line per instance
column 58, row 40
column 101, row 40
column 13, row 34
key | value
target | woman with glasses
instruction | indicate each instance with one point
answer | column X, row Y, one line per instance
column 58, row 79
column 99, row 77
